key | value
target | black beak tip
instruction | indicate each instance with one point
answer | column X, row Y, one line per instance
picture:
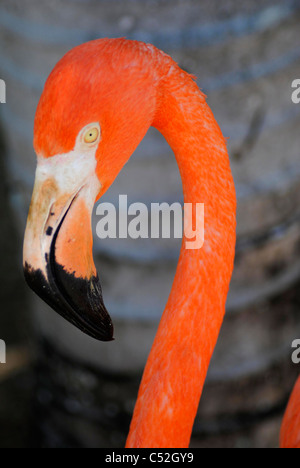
column 77, row 300
column 105, row 332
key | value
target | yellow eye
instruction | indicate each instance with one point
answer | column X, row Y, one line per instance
column 91, row 135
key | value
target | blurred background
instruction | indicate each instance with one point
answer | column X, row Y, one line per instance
column 61, row 388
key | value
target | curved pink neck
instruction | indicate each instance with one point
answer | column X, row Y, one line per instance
column 177, row 365
column 290, row 429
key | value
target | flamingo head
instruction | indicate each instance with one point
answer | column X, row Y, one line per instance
column 96, row 107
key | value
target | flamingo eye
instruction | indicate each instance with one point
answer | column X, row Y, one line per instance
column 91, row 135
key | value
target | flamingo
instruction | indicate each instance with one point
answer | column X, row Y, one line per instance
column 96, row 107
column 290, row 430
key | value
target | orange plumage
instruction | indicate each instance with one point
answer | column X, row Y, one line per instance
column 290, row 431
column 126, row 87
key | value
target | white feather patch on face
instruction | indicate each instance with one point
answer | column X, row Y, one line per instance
column 58, row 180
column 74, row 168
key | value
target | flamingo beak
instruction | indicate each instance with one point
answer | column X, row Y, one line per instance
column 57, row 259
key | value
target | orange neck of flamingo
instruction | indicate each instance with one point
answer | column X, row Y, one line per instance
column 290, row 430
column 177, row 366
